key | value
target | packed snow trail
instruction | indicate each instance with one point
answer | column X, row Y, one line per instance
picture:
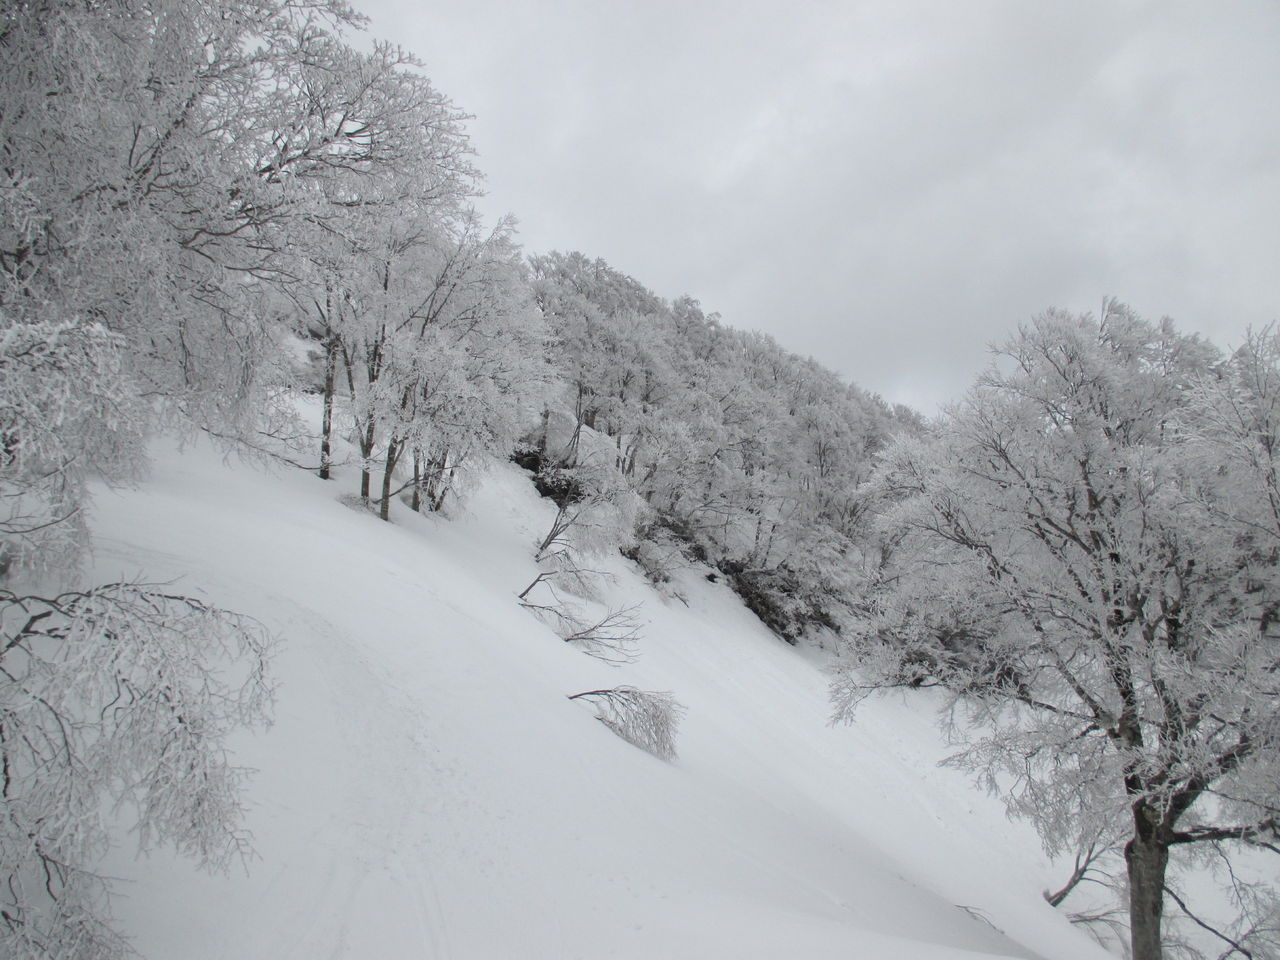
column 427, row 790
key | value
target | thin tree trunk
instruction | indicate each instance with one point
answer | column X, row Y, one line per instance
column 1148, row 860
column 393, row 454
column 366, row 451
column 441, row 480
column 569, row 458
column 417, row 481
column 446, row 484
column 542, row 440
column 326, row 425
column 364, row 432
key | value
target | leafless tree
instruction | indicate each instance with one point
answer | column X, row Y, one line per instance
column 645, row 718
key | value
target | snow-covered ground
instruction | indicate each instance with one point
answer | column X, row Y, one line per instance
column 427, row 790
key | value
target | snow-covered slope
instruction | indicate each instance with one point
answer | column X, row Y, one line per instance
column 427, row 790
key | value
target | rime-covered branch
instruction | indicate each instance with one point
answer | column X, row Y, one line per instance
column 644, row 718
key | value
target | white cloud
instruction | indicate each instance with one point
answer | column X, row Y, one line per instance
column 887, row 186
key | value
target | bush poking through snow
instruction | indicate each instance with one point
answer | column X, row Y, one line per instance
column 612, row 638
column 647, row 719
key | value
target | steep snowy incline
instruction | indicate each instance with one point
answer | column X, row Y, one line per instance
column 427, row 790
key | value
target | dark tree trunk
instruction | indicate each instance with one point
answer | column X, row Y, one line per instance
column 569, row 458
column 431, row 481
column 441, row 481
column 366, row 451
column 326, row 424
column 364, row 431
column 1147, row 858
column 437, row 479
column 542, row 439
column 393, row 454
column 417, row 481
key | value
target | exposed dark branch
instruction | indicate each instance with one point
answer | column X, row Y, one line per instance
column 1235, row 947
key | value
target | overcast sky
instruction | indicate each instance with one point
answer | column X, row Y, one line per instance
column 886, row 186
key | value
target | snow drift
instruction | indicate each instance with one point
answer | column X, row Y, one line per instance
column 428, row 790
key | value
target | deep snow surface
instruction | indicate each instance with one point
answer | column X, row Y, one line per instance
column 427, row 790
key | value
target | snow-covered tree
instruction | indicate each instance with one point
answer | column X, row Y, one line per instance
column 68, row 410
column 440, row 347
column 124, row 692
column 1068, row 561
column 154, row 161
column 399, row 175
column 743, row 451
column 138, row 195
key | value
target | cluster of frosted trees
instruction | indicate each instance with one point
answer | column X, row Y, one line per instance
column 183, row 187
column 745, row 456
column 1084, row 551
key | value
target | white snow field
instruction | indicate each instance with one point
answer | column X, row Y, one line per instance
column 427, row 790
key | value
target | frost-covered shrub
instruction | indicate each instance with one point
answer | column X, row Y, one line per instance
column 645, row 718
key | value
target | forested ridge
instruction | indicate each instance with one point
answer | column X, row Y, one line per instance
column 212, row 209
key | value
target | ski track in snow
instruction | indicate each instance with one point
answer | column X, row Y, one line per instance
column 427, row 791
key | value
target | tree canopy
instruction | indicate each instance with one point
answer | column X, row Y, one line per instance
column 1083, row 550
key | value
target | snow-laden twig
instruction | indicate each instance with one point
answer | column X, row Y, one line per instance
column 645, row 718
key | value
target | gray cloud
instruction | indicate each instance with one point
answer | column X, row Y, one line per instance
column 886, row 186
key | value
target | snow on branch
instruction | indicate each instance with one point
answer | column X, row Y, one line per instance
column 612, row 638
column 644, row 718
column 125, row 692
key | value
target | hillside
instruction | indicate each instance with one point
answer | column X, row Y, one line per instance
column 427, row 790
